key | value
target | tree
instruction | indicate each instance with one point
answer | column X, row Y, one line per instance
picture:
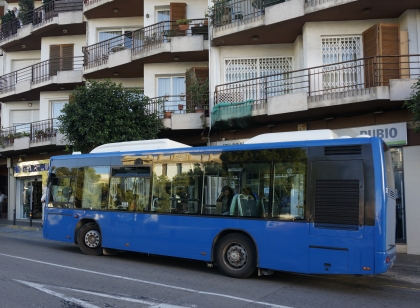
column 413, row 105
column 26, row 8
column 103, row 112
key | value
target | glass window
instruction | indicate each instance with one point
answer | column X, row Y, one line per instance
column 238, row 186
column 129, row 189
column 62, row 188
column 92, row 189
column 289, row 190
column 172, row 87
column 179, row 190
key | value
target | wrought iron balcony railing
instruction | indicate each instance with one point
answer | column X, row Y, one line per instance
column 39, row 131
column 39, row 72
column 178, row 104
column 141, row 40
column 40, row 16
column 224, row 13
column 349, row 78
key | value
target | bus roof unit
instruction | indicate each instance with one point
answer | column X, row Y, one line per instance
column 154, row 144
column 321, row 134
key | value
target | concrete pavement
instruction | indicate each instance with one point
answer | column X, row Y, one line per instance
column 405, row 262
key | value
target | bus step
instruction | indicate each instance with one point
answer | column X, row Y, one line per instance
column 264, row 272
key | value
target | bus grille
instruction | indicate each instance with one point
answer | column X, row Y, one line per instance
column 337, row 202
column 344, row 150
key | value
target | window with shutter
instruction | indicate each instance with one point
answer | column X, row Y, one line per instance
column 382, row 40
column 61, row 58
column 177, row 11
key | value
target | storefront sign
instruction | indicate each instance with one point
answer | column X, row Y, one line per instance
column 32, row 168
column 393, row 134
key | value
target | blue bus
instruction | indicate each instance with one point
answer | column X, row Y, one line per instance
column 304, row 202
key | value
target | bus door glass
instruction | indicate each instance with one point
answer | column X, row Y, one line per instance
column 61, row 201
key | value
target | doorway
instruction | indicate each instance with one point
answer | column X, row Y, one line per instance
column 30, row 189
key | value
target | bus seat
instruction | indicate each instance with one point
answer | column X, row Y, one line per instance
column 233, row 206
column 247, row 206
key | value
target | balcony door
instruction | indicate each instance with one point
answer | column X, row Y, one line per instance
column 61, row 58
column 342, row 76
column 171, row 88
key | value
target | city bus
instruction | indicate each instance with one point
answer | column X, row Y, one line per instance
column 303, row 202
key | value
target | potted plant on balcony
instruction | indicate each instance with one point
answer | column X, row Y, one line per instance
column 26, row 11
column 183, row 24
column 197, row 90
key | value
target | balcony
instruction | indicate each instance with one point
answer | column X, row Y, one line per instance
column 50, row 75
column 158, row 43
column 57, row 18
column 180, row 112
column 244, row 22
column 29, row 137
column 112, row 8
column 357, row 86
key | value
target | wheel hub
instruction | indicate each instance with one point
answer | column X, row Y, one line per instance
column 236, row 256
column 92, row 239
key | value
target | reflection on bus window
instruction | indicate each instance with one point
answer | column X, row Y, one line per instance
column 176, row 188
column 92, row 189
column 62, row 187
column 238, row 186
column 129, row 189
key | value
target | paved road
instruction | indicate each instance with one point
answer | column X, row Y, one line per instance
column 38, row 273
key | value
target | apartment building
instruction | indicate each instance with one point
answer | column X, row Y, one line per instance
column 272, row 66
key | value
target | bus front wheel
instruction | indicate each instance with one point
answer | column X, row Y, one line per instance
column 89, row 239
column 236, row 256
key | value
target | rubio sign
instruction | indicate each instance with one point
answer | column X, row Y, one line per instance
column 393, row 134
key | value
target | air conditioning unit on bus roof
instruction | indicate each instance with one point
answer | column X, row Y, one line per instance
column 154, row 144
column 320, row 134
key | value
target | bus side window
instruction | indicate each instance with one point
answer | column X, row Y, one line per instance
column 176, row 188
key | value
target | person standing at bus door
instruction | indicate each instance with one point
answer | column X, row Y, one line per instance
column 60, row 197
column 225, row 197
column 43, row 200
column 3, row 198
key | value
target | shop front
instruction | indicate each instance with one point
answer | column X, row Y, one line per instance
column 395, row 136
column 31, row 180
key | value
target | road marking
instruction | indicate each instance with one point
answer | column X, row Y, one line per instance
column 149, row 282
column 44, row 288
column 59, row 295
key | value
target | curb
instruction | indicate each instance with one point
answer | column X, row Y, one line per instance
column 22, row 227
column 406, row 267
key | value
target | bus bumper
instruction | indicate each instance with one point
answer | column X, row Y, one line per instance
column 385, row 260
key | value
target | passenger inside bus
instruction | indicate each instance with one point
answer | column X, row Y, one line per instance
column 225, row 198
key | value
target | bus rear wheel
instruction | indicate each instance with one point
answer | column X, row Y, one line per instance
column 236, row 256
column 89, row 239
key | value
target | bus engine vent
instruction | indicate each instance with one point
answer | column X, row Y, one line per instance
column 337, row 202
column 345, row 150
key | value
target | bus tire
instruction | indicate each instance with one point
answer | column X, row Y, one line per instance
column 89, row 239
column 236, row 256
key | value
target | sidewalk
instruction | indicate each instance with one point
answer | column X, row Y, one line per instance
column 404, row 261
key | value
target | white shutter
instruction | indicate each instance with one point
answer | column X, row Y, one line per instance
column 21, row 116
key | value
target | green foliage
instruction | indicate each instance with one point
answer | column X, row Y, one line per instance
column 413, row 105
column 26, row 6
column 183, row 21
column 44, row 2
column 103, row 112
column 197, row 89
column 8, row 16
